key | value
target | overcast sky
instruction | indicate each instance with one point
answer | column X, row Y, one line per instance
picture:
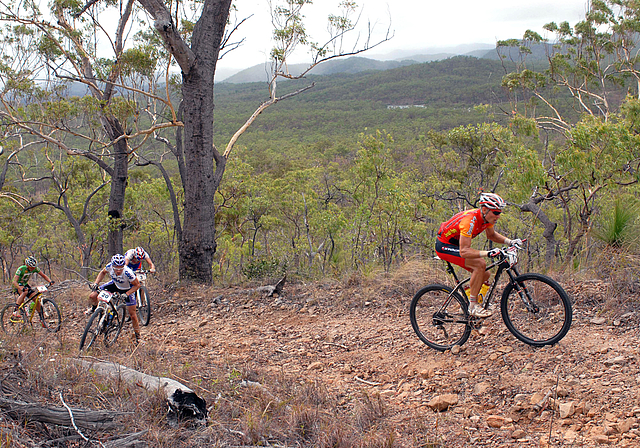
column 416, row 24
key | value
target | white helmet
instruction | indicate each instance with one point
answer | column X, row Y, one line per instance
column 492, row 201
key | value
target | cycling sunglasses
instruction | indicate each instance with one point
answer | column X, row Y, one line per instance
column 496, row 212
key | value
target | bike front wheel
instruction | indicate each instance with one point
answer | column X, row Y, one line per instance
column 536, row 310
column 439, row 324
column 92, row 330
column 144, row 306
column 50, row 315
column 114, row 326
column 11, row 324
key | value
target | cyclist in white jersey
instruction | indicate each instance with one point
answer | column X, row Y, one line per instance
column 123, row 281
column 134, row 258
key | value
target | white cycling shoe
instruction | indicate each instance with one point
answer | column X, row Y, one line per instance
column 476, row 310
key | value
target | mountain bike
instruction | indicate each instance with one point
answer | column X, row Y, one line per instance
column 534, row 307
column 143, row 301
column 106, row 321
column 16, row 318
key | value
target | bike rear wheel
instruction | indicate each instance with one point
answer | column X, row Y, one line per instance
column 440, row 328
column 50, row 316
column 543, row 321
column 144, row 306
column 10, row 324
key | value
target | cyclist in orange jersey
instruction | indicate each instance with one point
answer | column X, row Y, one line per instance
column 454, row 244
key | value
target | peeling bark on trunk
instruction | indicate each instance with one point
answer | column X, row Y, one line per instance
column 118, row 188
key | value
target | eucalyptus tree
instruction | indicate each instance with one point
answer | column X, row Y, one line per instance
column 52, row 56
column 584, row 102
column 67, row 47
column 196, row 45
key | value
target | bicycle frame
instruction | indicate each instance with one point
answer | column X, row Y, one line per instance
column 36, row 297
column 141, row 276
column 502, row 265
column 106, row 298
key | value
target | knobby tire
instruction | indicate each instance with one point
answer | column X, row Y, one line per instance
column 8, row 326
column 439, row 329
column 51, row 316
column 549, row 323
column 144, row 309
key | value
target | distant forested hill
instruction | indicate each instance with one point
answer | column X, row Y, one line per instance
column 407, row 102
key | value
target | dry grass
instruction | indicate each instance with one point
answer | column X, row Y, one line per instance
column 247, row 405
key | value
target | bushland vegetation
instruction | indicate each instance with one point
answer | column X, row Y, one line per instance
column 335, row 181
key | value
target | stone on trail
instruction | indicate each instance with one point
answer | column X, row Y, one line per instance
column 566, row 409
column 442, row 402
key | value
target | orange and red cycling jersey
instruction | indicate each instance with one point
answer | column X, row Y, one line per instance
column 467, row 223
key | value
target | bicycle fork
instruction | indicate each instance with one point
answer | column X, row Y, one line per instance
column 524, row 294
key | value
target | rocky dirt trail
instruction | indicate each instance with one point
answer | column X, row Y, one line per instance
column 495, row 392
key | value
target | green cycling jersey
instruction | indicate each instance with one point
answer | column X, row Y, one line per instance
column 24, row 274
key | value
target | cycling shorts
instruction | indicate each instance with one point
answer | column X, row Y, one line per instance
column 135, row 266
column 451, row 253
column 111, row 287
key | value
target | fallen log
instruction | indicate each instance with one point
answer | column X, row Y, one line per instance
column 183, row 403
column 273, row 290
column 94, row 420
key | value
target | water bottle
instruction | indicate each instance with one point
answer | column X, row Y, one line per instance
column 481, row 295
column 109, row 316
column 483, row 292
column 32, row 305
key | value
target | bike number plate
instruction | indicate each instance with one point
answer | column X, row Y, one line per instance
column 41, row 288
column 104, row 296
column 141, row 277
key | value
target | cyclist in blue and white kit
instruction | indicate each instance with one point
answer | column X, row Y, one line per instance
column 134, row 258
column 123, row 281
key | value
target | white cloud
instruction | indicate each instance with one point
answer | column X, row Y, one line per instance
column 417, row 24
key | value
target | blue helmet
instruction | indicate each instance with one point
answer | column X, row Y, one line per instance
column 117, row 260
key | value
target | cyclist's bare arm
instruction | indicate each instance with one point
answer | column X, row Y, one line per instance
column 100, row 276
column 466, row 251
column 152, row 267
column 45, row 277
column 14, row 282
column 494, row 236
column 135, row 285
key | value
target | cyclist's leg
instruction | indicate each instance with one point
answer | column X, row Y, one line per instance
column 131, row 309
column 478, row 269
column 479, row 274
column 25, row 290
column 20, row 299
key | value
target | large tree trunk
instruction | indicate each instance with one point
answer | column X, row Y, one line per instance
column 116, row 198
column 118, row 183
column 198, row 244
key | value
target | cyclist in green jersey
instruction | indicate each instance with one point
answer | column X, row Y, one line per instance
column 20, row 281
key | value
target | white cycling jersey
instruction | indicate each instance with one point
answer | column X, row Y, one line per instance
column 130, row 256
column 124, row 280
